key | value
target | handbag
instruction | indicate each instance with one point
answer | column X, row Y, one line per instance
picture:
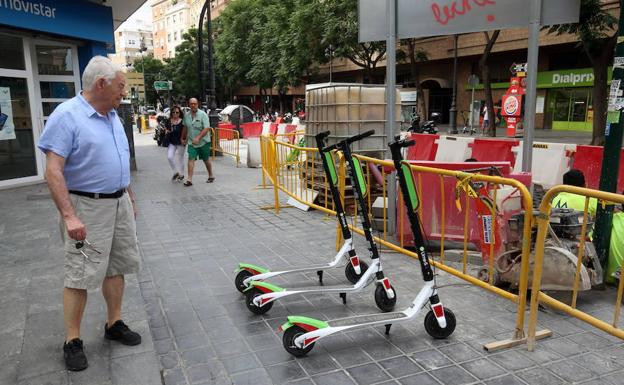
column 166, row 140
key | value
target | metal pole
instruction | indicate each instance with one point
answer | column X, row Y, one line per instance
column 331, row 59
column 212, row 104
column 531, row 89
column 471, row 112
column 611, row 154
column 200, row 51
column 453, row 110
column 391, row 131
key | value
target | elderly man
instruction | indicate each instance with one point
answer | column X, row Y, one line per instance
column 197, row 127
column 88, row 174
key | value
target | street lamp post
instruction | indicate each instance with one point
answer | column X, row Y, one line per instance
column 330, row 52
column 210, row 98
column 453, row 110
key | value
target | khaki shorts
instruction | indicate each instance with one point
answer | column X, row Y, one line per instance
column 111, row 230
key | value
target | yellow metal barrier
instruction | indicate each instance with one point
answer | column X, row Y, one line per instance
column 463, row 178
column 267, row 159
column 226, row 141
column 540, row 297
column 298, row 172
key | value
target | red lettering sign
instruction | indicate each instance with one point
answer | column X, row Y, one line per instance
column 447, row 13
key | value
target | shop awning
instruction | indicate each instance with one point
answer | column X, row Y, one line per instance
column 122, row 9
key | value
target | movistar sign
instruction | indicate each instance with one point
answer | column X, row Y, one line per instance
column 78, row 18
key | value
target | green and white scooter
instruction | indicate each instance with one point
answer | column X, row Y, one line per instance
column 260, row 296
column 301, row 333
column 246, row 273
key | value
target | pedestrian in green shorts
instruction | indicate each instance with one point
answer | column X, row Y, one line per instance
column 198, row 133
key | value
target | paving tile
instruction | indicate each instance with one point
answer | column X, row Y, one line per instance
column 333, row 378
column 512, row 360
column 569, row 371
column 350, row 357
column 505, row 380
column 253, row 377
column 459, row 352
column 453, row 375
column 241, row 363
column 400, row 366
column 598, row 363
column 205, row 372
column 53, row 378
column 318, row 363
column 174, row 377
column 431, row 359
column 539, row 376
column 483, row 368
column 142, row 369
column 419, row 379
column 368, row 374
column 283, row 373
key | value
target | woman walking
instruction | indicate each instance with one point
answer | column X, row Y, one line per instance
column 176, row 132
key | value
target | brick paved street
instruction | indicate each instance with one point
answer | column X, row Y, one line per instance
column 197, row 330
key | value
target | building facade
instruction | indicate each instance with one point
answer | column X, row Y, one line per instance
column 43, row 55
column 173, row 18
column 132, row 43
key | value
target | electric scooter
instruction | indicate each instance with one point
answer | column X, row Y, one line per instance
column 260, row 296
column 301, row 333
column 354, row 267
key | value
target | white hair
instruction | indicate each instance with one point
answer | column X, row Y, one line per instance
column 99, row 67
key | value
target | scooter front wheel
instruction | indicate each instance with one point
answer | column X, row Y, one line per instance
column 433, row 328
column 289, row 341
column 249, row 297
column 240, row 277
column 381, row 298
column 350, row 273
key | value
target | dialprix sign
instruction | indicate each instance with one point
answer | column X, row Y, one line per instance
column 422, row 18
column 79, row 18
column 582, row 77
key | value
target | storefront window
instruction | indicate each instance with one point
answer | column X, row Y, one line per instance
column 17, row 149
column 53, row 60
column 12, row 56
column 58, row 90
column 571, row 108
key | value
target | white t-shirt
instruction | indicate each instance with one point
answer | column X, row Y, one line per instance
column 485, row 114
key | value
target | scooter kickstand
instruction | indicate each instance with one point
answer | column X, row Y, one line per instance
column 320, row 275
column 344, row 298
column 388, row 329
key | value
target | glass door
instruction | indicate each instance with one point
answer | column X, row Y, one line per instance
column 20, row 162
column 57, row 74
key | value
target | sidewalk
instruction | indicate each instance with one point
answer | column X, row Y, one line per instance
column 197, row 330
column 551, row 136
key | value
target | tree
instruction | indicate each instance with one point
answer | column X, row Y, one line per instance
column 182, row 69
column 487, row 82
column 153, row 69
column 595, row 31
column 415, row 55
column 340, row 29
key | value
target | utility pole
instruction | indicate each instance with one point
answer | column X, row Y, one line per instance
column 612, row 147
column 210, row 99
column 535, row 21
column 391, row 129
column 453, row 110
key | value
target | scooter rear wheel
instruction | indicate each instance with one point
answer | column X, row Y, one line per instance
column 381, row 298
column 350, row 273
column 289, row 341
column 240, row 277
column 249, row 296
column 433, row 328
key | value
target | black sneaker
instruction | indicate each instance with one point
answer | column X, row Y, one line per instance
column 122, row 333
column 75, row 359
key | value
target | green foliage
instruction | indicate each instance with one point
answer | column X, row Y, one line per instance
column 182, row 69
column 594, row 25
column 340, row 29
column 153, row 69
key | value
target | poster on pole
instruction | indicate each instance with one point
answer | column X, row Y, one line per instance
column 7, row 128
column 422, row 18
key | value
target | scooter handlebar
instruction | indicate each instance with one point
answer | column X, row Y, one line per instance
column 402, row 143
column 359, row 136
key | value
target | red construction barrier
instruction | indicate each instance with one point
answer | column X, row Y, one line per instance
column 589, row 160
column 273, row 129
column 494, row 150
column 252, row 129
column 429, row 190
column 228, row 126
column 425, row 148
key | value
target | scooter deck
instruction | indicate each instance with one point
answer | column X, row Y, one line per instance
column 368, row 318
